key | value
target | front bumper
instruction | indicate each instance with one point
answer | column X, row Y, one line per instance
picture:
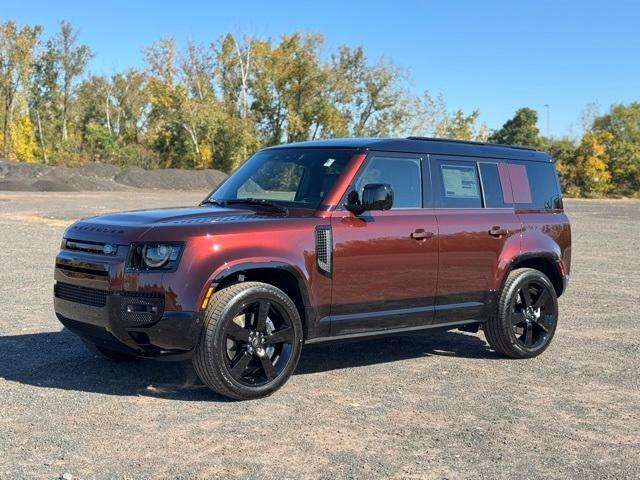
column 126, row 321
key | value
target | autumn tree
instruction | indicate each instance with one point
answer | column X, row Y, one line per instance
column 16, row 52
column 619, row 132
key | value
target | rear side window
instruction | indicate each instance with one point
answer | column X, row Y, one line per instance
column 495, row 185
column 535, row 185
column 403, row 174
column 457, row 184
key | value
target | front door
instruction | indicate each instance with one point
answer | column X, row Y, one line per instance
column 385, row 262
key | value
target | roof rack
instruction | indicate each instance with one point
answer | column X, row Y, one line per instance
column 470, row 142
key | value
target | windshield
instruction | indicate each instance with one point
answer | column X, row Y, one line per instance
column 289, row 177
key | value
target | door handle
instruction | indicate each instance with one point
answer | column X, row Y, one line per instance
column 420, row 234
column 497, row 231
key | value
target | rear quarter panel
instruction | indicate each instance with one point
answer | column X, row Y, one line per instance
column 547, row 231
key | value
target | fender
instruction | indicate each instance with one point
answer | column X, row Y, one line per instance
column 230, row 269
column 309, row 311
column 552, row 257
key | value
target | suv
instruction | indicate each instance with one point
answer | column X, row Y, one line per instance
column 320, row 241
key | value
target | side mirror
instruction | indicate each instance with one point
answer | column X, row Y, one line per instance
column 375, row 196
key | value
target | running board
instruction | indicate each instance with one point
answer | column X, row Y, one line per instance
column 392, row 331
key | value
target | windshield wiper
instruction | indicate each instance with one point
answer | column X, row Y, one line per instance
column 213, row 201
column 258, row 202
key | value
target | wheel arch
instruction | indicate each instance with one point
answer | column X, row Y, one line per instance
column 545, row 262
column 280, row 274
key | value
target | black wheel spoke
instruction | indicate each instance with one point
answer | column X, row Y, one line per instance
column 528, row 334
column 263, row 313
column 284, row 335
column 517, row 318
column 238, row 333
column 241, row 365
column 542, row 299
column 545, row 322
column 540, row 323
column 526, row 296
column 267, row 366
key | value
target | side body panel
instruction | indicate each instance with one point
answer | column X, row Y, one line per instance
column 469, row 259
column 383, row 278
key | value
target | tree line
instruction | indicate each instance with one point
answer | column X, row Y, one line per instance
column 211, row 106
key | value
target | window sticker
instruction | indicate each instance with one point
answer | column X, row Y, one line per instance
column 520, row 184
column 460, row 181
column 329, row 162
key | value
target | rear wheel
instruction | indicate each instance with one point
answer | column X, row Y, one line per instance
column 527, row 315
column 251, row 341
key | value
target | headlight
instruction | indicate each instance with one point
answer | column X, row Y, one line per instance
column 154, row 256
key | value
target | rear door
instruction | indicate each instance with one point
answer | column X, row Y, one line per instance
column 477, row 224
column 385, row 262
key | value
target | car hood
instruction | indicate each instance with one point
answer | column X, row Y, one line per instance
column 124, row 227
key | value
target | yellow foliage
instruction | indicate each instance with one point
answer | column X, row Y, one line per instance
column 593, row 162
column 23, row 139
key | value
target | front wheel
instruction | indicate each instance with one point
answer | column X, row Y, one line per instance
column 527, row 315
column 251, row 341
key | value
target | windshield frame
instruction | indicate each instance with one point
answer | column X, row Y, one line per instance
column 215, row 197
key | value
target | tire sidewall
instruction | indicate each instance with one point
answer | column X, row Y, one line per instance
column 506, row 306
column 216, row 345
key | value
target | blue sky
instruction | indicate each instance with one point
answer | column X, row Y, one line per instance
column 492, row 55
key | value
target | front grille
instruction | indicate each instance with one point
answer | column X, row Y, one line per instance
column 137, row 309
column 97, row 248
column 83, row 295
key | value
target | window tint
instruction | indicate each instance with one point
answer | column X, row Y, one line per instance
column 457, row 184
column 535, row 185
column 273, row 181
column 495, row 185
column 295, row 177
column 403, row 174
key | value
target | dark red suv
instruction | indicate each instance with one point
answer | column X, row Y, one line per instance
column 325, row 240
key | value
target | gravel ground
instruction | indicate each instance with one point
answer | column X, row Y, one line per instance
column 438, row 406
column 36, row 177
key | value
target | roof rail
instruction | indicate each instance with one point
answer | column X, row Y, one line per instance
column 470, row 142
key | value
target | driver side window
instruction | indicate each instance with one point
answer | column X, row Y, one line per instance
column 403, row 174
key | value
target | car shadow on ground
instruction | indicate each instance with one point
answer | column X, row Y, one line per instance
column 59, row 360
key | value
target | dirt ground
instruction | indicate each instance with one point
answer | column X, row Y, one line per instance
column 429, row 406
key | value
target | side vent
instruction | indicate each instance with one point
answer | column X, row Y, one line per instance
column 324, row 249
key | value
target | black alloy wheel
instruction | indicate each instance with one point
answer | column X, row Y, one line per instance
column 526, row 316
column 259, row 343
column 533, row 314
column 251, row 341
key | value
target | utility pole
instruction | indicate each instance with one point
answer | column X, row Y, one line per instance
column 548, row 107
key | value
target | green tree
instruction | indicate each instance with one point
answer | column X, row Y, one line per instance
column 563, row 151
column 44, row 97
column 619, row 132
column 522, row 129
column 73, row 59
column 373, row 98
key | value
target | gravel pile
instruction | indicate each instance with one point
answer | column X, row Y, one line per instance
column 35, row 177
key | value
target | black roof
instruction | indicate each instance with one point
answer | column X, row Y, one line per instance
column 425, row 145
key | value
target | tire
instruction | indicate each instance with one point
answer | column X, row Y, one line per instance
column 113, row 355
column 526, row 317
column 250, row 342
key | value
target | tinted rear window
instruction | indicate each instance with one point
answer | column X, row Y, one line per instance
column 494, row 187
column 535, row 185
